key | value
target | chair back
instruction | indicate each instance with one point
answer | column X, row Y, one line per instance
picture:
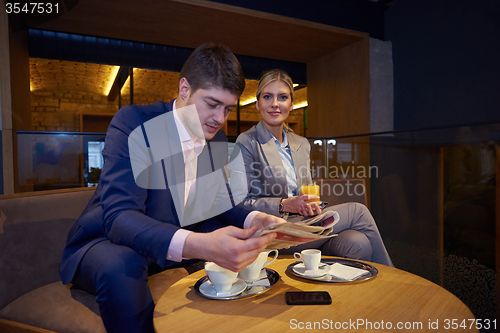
column 33, row 231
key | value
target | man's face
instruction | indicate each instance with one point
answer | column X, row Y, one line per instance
column 213, row 106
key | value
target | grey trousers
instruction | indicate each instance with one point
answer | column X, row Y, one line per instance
column 358, row 236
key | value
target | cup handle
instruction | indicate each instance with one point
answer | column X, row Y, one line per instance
column 299, row 258
column 274, row 258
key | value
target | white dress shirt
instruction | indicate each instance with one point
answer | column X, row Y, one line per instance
column 286, row 157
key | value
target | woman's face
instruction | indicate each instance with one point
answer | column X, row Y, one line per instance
column 275, row 103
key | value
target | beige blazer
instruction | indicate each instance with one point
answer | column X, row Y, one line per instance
column 264, row 169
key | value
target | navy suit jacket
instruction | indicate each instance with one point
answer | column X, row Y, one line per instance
column 125, row 213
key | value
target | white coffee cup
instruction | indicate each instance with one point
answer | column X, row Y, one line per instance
column 311, row 258
column 252, row 271
column 221, row 278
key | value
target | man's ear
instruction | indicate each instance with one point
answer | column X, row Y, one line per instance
column 184, row 88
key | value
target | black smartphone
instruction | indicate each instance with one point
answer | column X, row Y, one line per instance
column 307, row 297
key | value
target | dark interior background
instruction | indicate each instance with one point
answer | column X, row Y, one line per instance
column 445, row 53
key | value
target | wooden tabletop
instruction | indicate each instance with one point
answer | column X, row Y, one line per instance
column 394, row 297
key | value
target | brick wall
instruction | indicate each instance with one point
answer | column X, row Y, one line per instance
column 62, row 90
column 151, row 86
column 60, row 111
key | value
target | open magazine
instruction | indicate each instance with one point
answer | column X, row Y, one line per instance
column 295, row 233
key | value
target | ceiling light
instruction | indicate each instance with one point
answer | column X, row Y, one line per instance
column 111, row 78
column 300, row 105
column 126, row 87
column 248, row 101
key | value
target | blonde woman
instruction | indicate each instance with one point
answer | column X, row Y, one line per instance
column 276, row 163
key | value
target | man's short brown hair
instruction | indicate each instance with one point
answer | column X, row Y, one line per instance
column 214, row 65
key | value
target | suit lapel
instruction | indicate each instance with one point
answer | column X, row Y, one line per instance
column 273, row 158
column 300, row 160
column 174, row 165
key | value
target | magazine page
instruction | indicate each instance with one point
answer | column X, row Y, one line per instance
column 295, row 233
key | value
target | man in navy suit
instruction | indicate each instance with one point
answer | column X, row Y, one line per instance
column 148, row 208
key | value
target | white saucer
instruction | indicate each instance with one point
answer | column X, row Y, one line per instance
column 208, row 289
column 301, row 270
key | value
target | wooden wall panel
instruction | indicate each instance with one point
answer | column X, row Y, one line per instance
column 7, row 167
column 20, row 80
column 20, row 90
column 190, row 23
column 338, row 92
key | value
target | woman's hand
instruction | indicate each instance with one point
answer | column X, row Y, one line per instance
column 299, row 205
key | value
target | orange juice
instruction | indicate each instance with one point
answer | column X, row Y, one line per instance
column 312, row 190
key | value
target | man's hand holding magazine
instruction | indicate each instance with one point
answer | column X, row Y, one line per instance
column 304, row 231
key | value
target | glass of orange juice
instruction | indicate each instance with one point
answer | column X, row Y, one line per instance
column 311, row 189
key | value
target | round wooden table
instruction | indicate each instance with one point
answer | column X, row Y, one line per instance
column 392, row 300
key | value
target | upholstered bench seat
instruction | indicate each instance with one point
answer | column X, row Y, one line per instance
column 66, row 309
column 33, row 231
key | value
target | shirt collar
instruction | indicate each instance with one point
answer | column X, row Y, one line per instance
column 284, row 144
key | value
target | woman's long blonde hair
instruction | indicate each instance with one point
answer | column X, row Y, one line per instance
column 275, row 75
